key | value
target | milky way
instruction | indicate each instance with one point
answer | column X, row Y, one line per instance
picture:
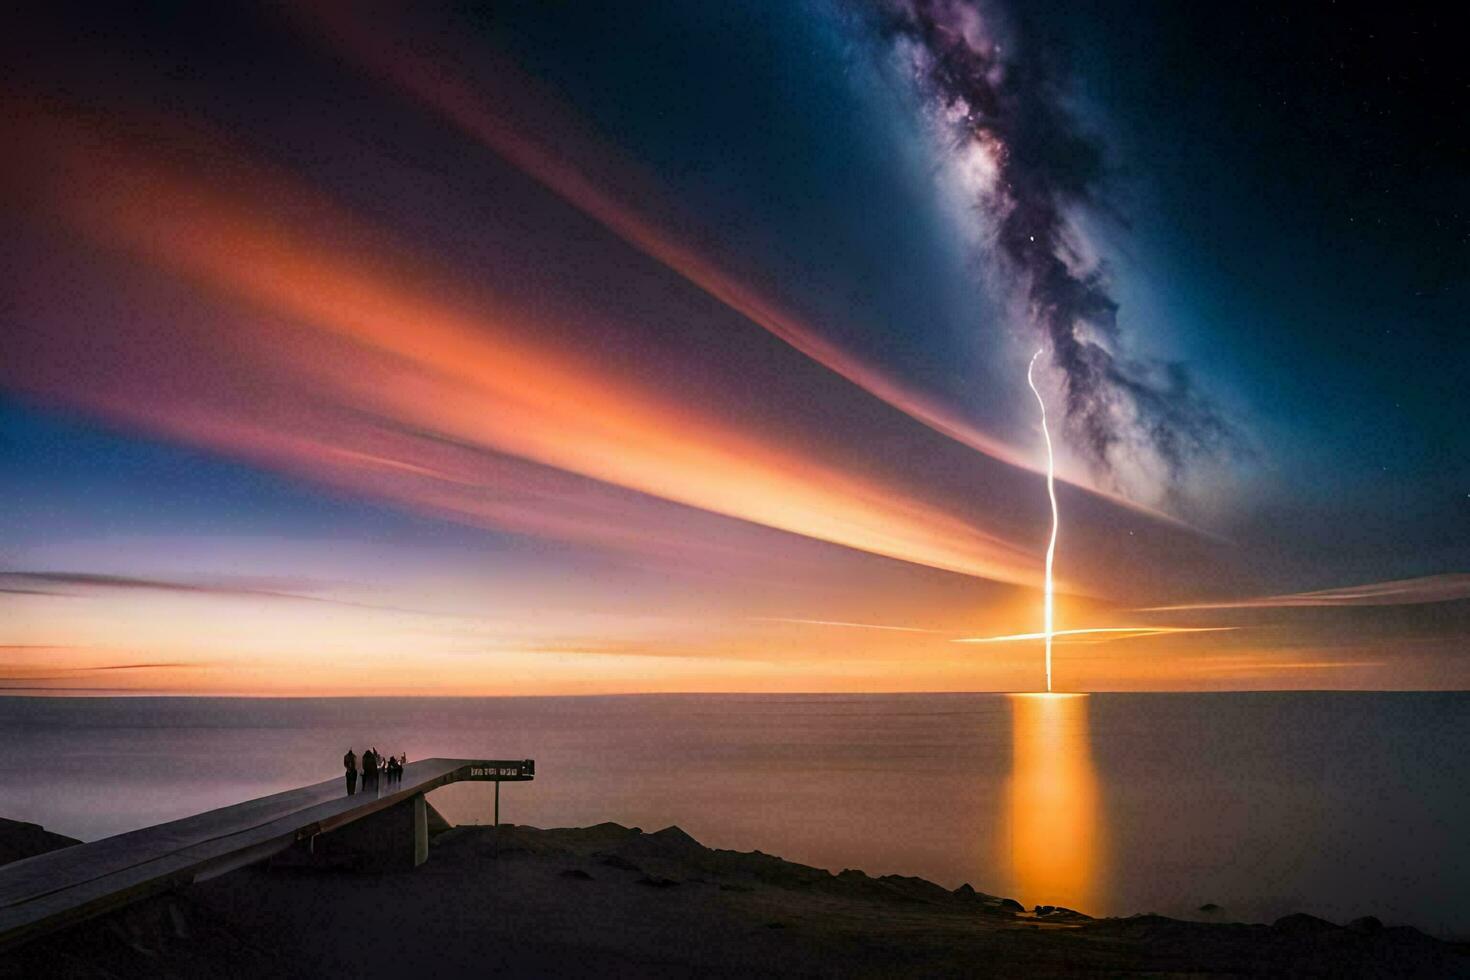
column 1031, row 166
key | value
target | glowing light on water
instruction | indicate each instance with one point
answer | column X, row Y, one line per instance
column 1052, row 808
column 1051, row 491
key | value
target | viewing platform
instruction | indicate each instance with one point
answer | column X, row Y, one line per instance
column 49, row 891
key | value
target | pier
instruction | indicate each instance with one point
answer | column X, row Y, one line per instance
column 320, row 822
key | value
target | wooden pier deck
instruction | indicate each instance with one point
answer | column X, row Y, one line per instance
column 53, row 890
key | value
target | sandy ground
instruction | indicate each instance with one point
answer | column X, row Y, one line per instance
column 614, row 901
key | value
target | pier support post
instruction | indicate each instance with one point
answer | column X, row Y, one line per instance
column 497, row 818
column 420, row 830
column 394, row 839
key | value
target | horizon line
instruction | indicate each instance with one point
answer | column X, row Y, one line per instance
column 114, row 694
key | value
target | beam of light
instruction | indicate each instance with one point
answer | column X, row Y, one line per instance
column 1051, row 491
column 1053, row 811
column 1123, row 633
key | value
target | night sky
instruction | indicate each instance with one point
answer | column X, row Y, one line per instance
column 673, row 347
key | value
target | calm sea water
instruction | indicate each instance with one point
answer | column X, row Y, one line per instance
column 1336, row 804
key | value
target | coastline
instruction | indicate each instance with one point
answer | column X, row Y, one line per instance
column 614, row 900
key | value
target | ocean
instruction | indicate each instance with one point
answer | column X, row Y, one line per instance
column 1337, row 804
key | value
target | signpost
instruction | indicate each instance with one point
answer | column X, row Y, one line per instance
column 497, row 772
column 518, row 770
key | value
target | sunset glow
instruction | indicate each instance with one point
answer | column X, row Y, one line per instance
column 454, row 372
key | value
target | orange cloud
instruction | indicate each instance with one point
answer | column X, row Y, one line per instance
column 492, row 120
column 397, row 342
column 1102, row 632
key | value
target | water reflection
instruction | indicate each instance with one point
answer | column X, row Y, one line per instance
column 1052, row 806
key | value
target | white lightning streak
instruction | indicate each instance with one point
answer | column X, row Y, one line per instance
column 1051, row 491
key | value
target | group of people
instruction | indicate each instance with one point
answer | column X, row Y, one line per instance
column 375, row 766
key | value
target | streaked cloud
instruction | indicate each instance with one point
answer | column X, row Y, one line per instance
column 1267, row 666
column 387, row 337
column 1101, row 632
column 515, row 118
column 218, row 587
column 830, row 622
column 1398, row 592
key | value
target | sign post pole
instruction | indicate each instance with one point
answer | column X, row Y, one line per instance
column 497, row 771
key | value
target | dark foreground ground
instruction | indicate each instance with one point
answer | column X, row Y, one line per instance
column 613, row 901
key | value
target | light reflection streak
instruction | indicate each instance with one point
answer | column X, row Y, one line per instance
column 1053, row 810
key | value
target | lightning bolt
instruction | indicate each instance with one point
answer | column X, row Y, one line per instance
column 1051, row 491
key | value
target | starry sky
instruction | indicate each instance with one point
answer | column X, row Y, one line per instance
column 579, row 348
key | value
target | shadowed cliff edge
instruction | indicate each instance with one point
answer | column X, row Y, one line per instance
column 614, row 900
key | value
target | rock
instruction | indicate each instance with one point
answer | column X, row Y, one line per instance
column 20, row 840
column 654, row 881
column 1208, row 907
column 1012, row 905
column 1300, row 923
column 675, row 838
column 577, row 873
column 1366, row 924
column 620, row 862
column 915, row 889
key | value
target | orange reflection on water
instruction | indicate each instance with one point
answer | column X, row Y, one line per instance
column 1052, row 803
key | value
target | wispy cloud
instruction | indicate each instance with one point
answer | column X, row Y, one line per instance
column 57, row 677
column 387, row 336
column 1267, row 666
column 1102, row 632
column 514, row 118
column 217, row 587
column 155, row 666
column 832, row 622
column 1398, row 592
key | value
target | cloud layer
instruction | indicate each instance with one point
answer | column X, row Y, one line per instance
column 1398, row 592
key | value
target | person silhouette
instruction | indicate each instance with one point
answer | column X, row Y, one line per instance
column 369, row 769
column 349, row 762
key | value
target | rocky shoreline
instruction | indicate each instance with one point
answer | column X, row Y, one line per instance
column 613, row 900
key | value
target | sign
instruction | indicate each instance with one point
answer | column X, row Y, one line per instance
column 497, row 770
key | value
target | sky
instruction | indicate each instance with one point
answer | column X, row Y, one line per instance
column 592, row 348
